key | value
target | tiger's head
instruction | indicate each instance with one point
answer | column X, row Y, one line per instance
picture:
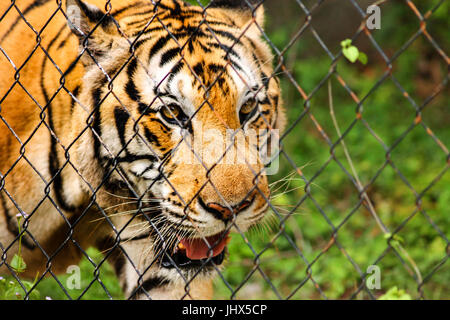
column 183, row 110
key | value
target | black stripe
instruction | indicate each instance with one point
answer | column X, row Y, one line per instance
column 150, row 284
column 237, row 66
column 265, row 80
column 220, row 23
column 132, row 158
column 142, row 13
column 115, row 186
column 147, row 31
column 166, row 94
column 36, row 4
column 121, row 117
column 54, row 165
column 97, row 100
column 96, row 15
column 226, row 34
column 174, row 71
column 153, row 283
column 138, row 24
column 193, row 32
column 216, row 68
column 131, row 90
column 221, row 83
column 72, row 66
column 96, row 97
column 55, row 172
column 227, row 49
column 64, row 41
column 232, row 4
column 131, row 6
column 130, row 87
column 158, row 45
column 151, row 137
column 119, row 265
column 169, row 55
column 200, row 72
column 276, row 100
column 75, row 93
column 198, row 69
column 145, row 109
column 166, row 129
column 256, row 60
column 176, row 11
column 12, row 225
column 132, row 66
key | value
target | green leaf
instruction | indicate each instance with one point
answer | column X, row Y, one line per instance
column 398, row 238
column 351, row 53
column 35, row 294
column 18, row 264
column 395, row 294
column 345, row 43
column 363, row 58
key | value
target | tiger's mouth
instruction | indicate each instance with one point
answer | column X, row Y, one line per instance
column 196, row 252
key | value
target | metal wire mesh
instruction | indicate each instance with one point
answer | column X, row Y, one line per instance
column 311, row 279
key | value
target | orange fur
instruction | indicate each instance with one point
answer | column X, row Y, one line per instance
column 41, row 122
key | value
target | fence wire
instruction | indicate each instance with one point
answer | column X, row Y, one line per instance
column 302, row 120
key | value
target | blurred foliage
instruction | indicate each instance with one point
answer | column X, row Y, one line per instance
column 318, row 263
column 395, row 294
column 94, row 276
column 292, row 255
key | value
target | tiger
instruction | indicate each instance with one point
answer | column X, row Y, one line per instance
column 112, row 115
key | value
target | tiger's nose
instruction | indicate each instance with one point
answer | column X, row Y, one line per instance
column 223, row 212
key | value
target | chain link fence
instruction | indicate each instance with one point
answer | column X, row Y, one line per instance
column 359, row 192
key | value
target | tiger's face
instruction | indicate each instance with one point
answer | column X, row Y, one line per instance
column 183, row 122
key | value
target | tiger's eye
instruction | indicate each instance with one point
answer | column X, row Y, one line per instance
column 171, row 111
column 248, row 106
column 173, row 114
column 247, row 110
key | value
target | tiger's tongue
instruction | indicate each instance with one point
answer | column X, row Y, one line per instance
column 197, row 249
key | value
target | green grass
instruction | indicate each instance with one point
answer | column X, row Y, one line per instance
column 98, row 282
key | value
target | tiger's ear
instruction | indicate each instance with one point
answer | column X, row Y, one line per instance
column 95, row 29
column 242, row 12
